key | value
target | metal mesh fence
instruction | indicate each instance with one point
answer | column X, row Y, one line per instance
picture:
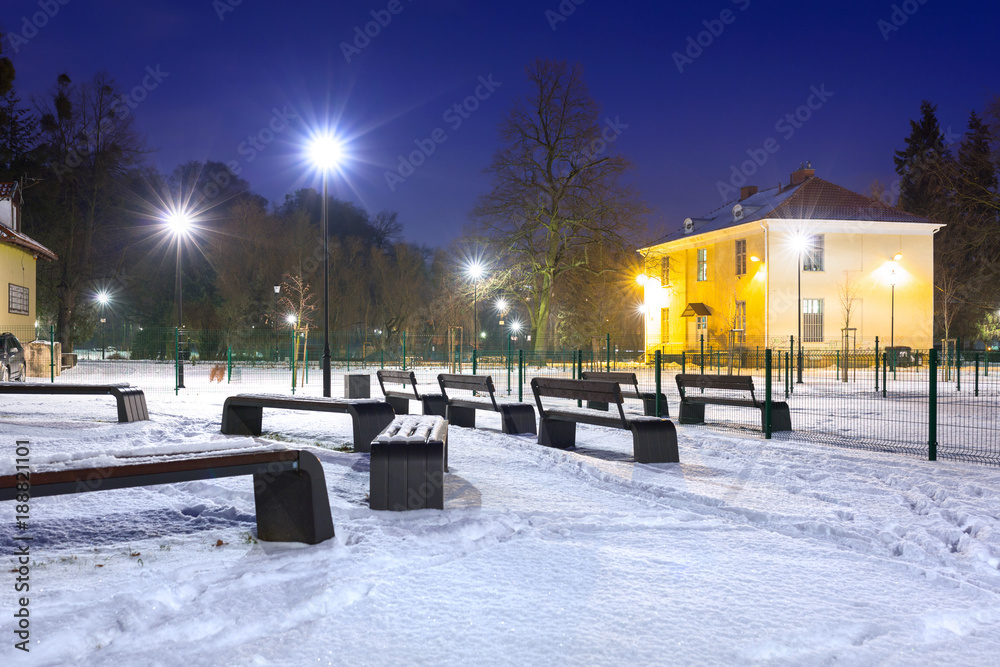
column 865, row 398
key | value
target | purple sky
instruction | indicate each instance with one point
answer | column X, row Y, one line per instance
column 685, row 130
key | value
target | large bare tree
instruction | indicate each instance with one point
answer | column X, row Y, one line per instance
column 557, row 190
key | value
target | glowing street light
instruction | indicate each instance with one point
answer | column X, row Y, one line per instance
column 291, row 319
column 103, row 299
column 326, row 153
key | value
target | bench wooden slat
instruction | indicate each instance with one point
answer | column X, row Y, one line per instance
column 587, row 390
column 289, row 487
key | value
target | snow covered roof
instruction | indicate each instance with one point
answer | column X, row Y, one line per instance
column 812, row 199
column 21, row 240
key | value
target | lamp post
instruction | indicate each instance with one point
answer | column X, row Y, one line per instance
column 475, row 271
column 892, row 309
column 502, row 308
column 801, row 243
column 274, row 321
column 179, row 224
column 325, row 152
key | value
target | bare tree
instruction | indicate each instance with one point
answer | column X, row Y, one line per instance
column 298, row 302
column 847, row 292
column 557, row 190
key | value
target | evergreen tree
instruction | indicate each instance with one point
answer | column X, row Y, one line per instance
column 6, row 71
column 976, row 186
column 18, row 138
column 921, row 188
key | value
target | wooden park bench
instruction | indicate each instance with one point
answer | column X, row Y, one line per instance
column 131, row 401
column 629, row 384
column 515, row 418
column 289, row 486
column 431, row 404
column 692, row 409
column 654, row 440
column 242, row 414
column 408, row 461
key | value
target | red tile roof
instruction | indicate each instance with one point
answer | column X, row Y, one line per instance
column 8, row 235
column 6, row 189
column 817, row 199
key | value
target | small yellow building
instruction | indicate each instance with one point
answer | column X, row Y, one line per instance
column 742, row 275
column 18, row 254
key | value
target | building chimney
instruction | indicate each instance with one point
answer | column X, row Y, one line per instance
column 747, row 191
column 805, row 172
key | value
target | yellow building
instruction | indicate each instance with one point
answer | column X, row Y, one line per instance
column 734, row 275
column 18, row 254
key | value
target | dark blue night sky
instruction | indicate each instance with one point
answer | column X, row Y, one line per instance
column 221, row 80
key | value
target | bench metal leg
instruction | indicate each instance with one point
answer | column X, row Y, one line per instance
column 781, row 418
column 649, row 405
column 518, row 419
column 655, row 442
column 401, row 406
column 597, row 405
column 293, row 506
column 459, row 416
column 241, row 419
column 369, row 420
column 556, row 433
column 435, row 405
column 406, row 476
column 692, row 413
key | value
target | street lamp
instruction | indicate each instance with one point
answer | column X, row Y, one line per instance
column 274, row 321
column 892, row 306
column 326, row 152
column 103, row 298
column 801, row 243
column 179, row 224
column 475, row 271
column 502, row 307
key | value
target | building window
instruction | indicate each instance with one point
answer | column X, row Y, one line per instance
column 17, row 300
column 740, row 322
column 703, row 264
column 741, row 257
column 664, row 325
column 812, row 320
column 664, row 271
column 701, row 325
column 812, row 256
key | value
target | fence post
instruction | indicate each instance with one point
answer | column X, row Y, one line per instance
column 657, row 360
column 885, row 368
column 876, row 364
column 404, row 351
column 702, row 358
column 791, row 357
column 381, row 358
column 932, row 407
column 684, row 362
column 767, row 394
column 229, row 365
column 348, row 355
column 579, row 372
column 520, row 376
column 305, row 360
column 509, row 363
column 475, row 360
column 52, row 351
column 976, row 390
column 788, row 375
column 838, row 363
column 958, row 364
column 609, row 351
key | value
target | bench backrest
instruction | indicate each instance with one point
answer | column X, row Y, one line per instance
column 482, row 383
column 581, row 390
column 608, row 376
column 397, row 377
column 726, row 382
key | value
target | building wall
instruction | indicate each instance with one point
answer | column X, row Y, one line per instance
column 17, row 267
column 853, row 252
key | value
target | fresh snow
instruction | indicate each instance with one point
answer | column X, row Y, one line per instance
column 749, row 551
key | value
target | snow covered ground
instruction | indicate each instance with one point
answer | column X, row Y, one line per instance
column 749, row 551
